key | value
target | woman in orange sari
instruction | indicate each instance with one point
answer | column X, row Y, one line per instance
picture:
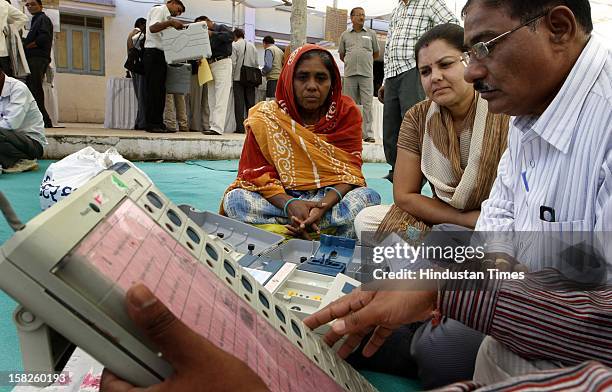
column 301, row 161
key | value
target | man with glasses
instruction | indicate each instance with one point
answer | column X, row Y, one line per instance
column 158, row 19
column 37, row 47
column 538, row 62
column 358, row 49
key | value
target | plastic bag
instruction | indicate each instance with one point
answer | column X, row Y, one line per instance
column 65, row 176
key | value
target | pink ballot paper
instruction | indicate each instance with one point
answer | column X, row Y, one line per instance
column 128, row 247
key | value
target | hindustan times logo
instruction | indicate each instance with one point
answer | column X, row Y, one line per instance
column 410, row 253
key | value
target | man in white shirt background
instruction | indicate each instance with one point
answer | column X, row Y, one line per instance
column 8, row 15
column 22, row 129
column 158, row 19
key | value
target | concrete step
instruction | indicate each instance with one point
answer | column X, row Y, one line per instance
column 140, row 145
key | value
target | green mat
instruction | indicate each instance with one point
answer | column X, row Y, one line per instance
column 198, row 183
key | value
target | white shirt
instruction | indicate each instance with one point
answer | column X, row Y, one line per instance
column 19, row 112
column 561, row 160
column 9, row 15
column 239, row 59
column 157, row 14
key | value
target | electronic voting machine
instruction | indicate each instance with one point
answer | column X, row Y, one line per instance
column 72, row 264
column 190, row 43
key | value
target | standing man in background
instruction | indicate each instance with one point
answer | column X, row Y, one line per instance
column 9, row 15
column 221, row 38
column 273, row 64
column 158, row 19
column 401, row 87
column 243, row 53
column 38, row 53
column 136, row 39
column 358, row 49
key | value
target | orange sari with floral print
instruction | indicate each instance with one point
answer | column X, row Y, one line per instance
column 281, row 153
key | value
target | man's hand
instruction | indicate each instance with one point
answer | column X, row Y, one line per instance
column 31, row 45
column 505, row 262
column 361, row 312
column 177, row 24
column 198, row 364
column 381, row 94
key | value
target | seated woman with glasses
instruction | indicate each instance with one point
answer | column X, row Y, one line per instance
column 301, row 161
column 450, row 140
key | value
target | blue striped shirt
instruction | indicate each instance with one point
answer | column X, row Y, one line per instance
column 561, row 159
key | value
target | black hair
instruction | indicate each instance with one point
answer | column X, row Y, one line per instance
column 329, row 63
column 268, row 40
column 179, row 2
column 238, row 33
column 527, row 9
column 39, row 2
column 450, row 33
column 325, row 57
column 356, row 8
column 140, row 21
column 202, row 19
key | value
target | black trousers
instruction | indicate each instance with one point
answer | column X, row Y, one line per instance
column 5, row 65
column 38, row 67
column 139, row 88
column 154, row 88
column 401, row 93
column 271, row 88
column 244, row 99
column 15, row 146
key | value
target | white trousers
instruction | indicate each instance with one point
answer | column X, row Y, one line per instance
column 369, row 219
column 496, row 363
column 219, row 94
column 361, row 89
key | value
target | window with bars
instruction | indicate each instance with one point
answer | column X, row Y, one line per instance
column 79, row 46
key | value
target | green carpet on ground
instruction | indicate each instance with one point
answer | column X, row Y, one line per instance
column 198, row 183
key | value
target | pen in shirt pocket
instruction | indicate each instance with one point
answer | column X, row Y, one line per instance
column 524, row 177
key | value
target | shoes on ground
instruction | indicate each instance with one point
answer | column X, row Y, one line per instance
column 211, row 132
column 369, row 140
column 23, row 165
column 161, row 130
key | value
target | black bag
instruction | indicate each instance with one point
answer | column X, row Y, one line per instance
column 249, row 76
column 134, row 62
